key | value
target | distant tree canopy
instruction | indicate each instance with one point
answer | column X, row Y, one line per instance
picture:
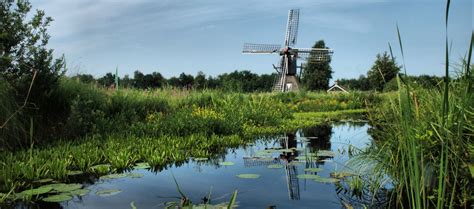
column 383, row 70
column 316, row 75
column 238, row 81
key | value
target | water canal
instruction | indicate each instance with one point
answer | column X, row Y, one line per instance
column 279, row 162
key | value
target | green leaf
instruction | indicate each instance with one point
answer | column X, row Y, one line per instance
column 325, row 153
column 201, row 159
column 73, row 173
column 275, row 166
column 232, row 200
column 80, row 192
column 135, row 175
column 108, row 192
column 307, row 176
column 341, row 175
column 66, row 187
column 326, row 180
column 248, row 176
column 142, row 166
column 113, row 176
column 37, row 191
column 132, row 204
column 226, row 163
column 58, row 198
column 42, row 181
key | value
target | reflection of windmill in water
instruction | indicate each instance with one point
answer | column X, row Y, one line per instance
column 286, row 79
column 285, row 158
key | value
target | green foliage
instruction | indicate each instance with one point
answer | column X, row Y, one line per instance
column 384, row 69
column 316, row 75
column 25, row 58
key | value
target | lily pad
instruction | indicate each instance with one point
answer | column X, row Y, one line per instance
column 313, row 169
column 201, row 159
column 294, row 163
column 108, row 192
column 226, row 163
column 65, row 187
column 265, row 159
column 74, row 173
column 326, row 153
column 80, row 192
column 113, row 176
column 341, row 175
column 134, row 175
column 307, row 176
column 285, row 150
column 326, row 180
column 42, row 181
column 58, row 198
column 248, row 176
column 37, row 191
column 142, row 166
column 275, row 166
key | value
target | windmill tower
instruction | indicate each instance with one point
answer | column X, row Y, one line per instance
column 287, row 67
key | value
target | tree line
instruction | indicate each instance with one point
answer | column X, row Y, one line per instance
column 241, row 81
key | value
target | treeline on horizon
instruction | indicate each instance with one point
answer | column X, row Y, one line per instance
column 237, row 81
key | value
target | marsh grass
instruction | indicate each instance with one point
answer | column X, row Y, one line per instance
column 422, row 141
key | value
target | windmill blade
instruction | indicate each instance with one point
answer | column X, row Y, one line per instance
column 260, row 48
column 292, row 27
column 314, row 54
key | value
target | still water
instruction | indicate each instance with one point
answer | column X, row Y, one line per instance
column 275, row 188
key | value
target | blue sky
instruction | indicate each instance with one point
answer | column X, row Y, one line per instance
column 174, row 36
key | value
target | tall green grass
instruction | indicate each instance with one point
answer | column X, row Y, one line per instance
column 422, row 141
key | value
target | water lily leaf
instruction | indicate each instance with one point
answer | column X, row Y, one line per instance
column 313, row 169
column 275, row 166
column 248, row 176
column 201, row 159
column 42, row 181
column 326, row 180
column 226, row 163
column 341, row 175
column 134, row 175
column 58, row 198
column 108, row 192
column 65, row 187
column 142, row 166
column 264, row 159
column 73, row 173
column 294, row 163
column 37, row 191
column 325, row 153
column 113, row 176
column 285, row 150
column 80, row 192
column 307, row 176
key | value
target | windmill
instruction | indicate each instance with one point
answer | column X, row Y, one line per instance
column 286, row 79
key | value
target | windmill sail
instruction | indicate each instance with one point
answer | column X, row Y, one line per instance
column 292, row 27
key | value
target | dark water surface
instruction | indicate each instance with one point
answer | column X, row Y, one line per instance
column 275, row 187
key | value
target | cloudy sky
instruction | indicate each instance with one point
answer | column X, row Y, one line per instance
column 174, row 36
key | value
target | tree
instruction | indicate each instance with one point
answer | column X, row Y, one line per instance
column 200, row 80
column 186, row 80
column 24, row 54
column 384, row 69
column 107, row 80
column 316, row 75
column 138, row 80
